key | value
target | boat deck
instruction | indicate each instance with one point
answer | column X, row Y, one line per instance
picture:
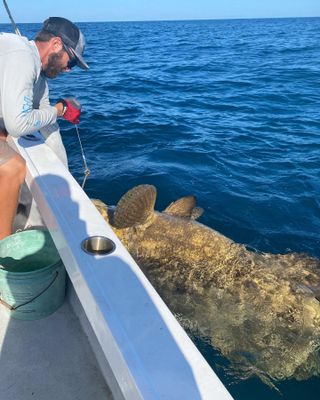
column 48, row 359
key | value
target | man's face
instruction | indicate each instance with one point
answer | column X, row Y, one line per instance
column 57, row 63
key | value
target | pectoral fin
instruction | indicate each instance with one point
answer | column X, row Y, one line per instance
column 136, row 207
column 197, row 212
column 184, row 208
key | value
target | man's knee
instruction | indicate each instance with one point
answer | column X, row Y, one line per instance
column 14, row 168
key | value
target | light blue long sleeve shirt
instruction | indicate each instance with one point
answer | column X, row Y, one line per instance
column 24, row 94
column 24, row 102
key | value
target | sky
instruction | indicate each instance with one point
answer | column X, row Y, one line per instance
column 140, row 10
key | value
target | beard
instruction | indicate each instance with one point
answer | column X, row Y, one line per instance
column 53, row 67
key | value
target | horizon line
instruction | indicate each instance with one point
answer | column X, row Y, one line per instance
column 176, row 20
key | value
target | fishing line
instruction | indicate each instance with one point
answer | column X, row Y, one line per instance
column 86, row 169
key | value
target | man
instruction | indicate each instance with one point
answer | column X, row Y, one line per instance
column 24, row 100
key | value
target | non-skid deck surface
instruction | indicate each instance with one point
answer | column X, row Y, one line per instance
column 48, row 359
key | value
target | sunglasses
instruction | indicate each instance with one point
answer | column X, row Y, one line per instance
column 72, row 59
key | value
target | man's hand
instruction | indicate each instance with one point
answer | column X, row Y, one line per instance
column 59, row 107
column 69, row 109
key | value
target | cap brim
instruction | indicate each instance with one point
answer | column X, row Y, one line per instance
column 80, row 61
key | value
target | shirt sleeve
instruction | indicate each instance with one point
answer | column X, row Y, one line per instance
column 41, row 94
column 51, row 132
column 18, row 80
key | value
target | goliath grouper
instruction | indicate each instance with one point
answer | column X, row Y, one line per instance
column 260, row 310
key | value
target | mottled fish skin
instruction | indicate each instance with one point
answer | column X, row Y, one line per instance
column 182, row 248
column 102, row 208
column 245, row 302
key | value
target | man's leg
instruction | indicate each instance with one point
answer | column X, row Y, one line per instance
column 12, row 174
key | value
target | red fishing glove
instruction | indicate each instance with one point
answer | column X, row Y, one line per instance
column 71, row 110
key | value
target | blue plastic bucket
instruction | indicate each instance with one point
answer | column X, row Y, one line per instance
column 32, row 275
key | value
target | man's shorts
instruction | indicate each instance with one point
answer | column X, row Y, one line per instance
column 6, row 152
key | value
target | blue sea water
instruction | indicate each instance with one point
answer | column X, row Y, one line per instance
column 225, row 110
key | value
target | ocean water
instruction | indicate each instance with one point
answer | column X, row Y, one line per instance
column 225, row 110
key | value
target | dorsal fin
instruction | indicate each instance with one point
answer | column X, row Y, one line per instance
column 135, row 207
column 182, row 207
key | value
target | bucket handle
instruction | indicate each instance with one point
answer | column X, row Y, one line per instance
column 14, row 308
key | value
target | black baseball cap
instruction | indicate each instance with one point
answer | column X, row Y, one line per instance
column 71, row 37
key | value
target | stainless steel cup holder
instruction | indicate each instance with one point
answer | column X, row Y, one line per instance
column 98, row 245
